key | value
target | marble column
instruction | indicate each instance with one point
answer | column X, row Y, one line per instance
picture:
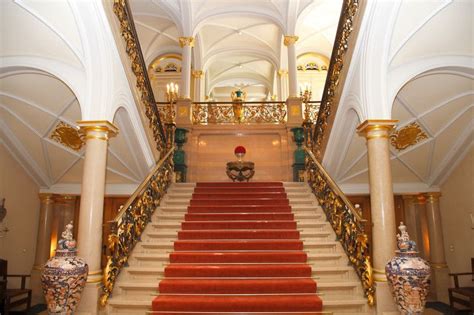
column 43, row 245
column 440, row 272
column 198, row 86
column 422, row 227
column 382, row 206
column 65, row 206
column 289, row 41
column 97, row 134
column 187, row 43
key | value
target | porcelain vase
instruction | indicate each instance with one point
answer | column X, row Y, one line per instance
column 64, row 276
column 408, row 276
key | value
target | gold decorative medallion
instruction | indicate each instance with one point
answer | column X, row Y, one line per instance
column 407, row 136
column 68, row 136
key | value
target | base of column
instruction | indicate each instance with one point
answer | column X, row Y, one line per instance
column 89, row 304
column 37, row 296
column 384, row 299
column 440, row 282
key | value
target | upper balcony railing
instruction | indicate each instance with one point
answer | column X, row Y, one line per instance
column 264, row 112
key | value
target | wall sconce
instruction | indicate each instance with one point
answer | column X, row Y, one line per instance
column 3, row 225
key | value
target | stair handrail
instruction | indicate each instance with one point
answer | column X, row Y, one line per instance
column 126, row 228
column 345, row 219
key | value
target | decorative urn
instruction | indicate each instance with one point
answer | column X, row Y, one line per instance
column 239, row 152
column 408, row 275
column 64, row 276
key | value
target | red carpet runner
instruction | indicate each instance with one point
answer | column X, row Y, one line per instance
column 238, row 251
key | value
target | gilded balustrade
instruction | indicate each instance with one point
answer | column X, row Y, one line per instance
column 272, row 112
column 139, row 69
column 345, row 219
column 329, row 102
column 132, row 219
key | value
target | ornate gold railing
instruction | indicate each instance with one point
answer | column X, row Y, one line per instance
column 128, row 225
column 311, row 111
column 345, row 219
column 167, row 111
column 134, row 52
column 271, row 112
column 330, row 99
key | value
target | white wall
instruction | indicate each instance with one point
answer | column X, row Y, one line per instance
column 457, row 204
column 22, row 203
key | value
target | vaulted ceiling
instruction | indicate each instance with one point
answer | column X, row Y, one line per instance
column 238, row 43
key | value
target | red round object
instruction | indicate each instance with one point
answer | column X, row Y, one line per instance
column 239, row 150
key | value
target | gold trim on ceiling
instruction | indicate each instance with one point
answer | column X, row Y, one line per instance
column 407, row 136
column 68, row 136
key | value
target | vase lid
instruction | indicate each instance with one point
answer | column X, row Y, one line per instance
column 404, row 243
column 67, row 243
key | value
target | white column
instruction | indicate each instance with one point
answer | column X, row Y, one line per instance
column 89, row 241
column 187, row 43
column 282, row 84
column 289, row 41
column 382, row 206
column 197, row 76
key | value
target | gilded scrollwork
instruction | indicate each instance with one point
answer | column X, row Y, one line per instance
column 139, row 69
column 345, row 220
column 127, row 227
column 249, row 113
column 328, row 103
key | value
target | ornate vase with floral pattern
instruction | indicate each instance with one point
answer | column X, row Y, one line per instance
column 64, row 276
column 408, row 275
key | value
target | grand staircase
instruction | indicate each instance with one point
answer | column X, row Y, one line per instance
column 225, row 248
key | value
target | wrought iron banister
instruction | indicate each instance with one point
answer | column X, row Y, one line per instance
column 347, row 222
column 128, row 225
column 139, row 69
column 335, row 78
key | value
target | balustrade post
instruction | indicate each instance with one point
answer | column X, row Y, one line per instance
column 97, row 134
column 382, row 206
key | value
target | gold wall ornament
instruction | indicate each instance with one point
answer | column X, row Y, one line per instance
column 186, row 41
column 407, row 136
column 329, row 104
column 346, row 221
column 289, row 40
column 68, row 136
column 139, row 69
column 197, row 74
column 129, row 224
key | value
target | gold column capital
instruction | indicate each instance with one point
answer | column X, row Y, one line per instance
column 64, row 198
column 289, row 40
column 432, row 197
column 186, row 41
column 376, row 128
column 421, row 199
column 97, row 129
column 46, row 197
column 282, row 72
column 197, row 74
